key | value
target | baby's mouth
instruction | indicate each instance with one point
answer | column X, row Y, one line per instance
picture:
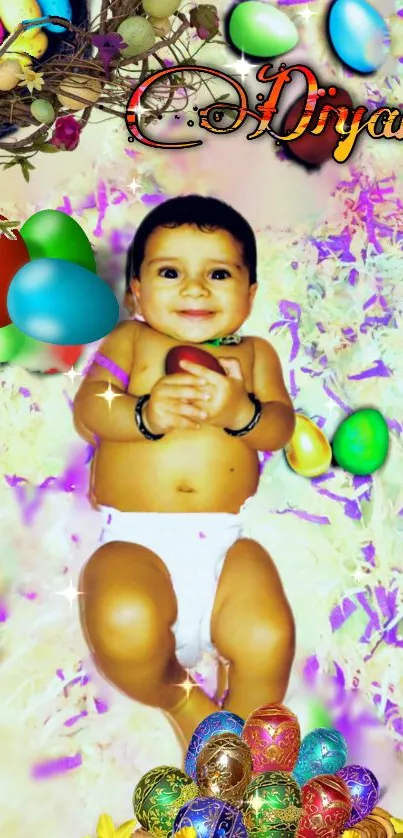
column 196, row 313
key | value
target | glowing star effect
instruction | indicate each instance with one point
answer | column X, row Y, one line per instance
column 307, row 13
column 71, row 593
column 109, row 395
column 241, row 68
column 133, row 186
column 139, row 110
column 187, row 685
column 72, row 374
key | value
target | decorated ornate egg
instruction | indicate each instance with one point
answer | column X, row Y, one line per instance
column 209, row 818
column 224, row 768
column 220, row 722
column 326, row 807
column 364, row 790
column 274, row 737
column 272, row 806
column 322, row 751
column 159, row 796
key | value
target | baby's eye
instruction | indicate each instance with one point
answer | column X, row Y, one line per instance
column 168, row 273
column 220, row 273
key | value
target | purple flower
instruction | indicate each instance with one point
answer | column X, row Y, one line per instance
column 66, row 133
column 109, row 47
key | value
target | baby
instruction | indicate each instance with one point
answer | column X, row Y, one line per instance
column 177, row 457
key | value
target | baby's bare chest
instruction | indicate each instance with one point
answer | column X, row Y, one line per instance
column 150, row 358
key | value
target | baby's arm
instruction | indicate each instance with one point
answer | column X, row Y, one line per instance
column 276, row 425
column 107, row 419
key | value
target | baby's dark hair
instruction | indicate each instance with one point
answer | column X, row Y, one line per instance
column 206, row 214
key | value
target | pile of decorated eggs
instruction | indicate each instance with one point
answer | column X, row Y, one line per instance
column 31, row 43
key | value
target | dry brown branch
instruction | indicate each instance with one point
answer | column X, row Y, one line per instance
column 76, row 58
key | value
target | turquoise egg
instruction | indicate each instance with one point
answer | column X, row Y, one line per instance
column 58, row 302
column 359, row 35
column 59, row 8
column 322, row 751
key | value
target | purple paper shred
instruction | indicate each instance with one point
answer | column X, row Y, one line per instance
column 55, row 767
column 100, row 706
column 369, row 554
column 4, row 613
column 152, row 199
column 341, row 613
column 304, row 516
column 60, row 674
column 25, row 393
column 74, row 719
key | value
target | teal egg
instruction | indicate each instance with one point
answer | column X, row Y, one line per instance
column 58, row 8
column 361, row 443
column 58, row 302
column 358, row 34
column 322, row 751
column 55, row 235
column 261, row 30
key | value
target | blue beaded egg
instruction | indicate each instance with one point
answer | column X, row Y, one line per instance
column 210, row 818
column 359, row 35
column 220, row 722
column 322, row 751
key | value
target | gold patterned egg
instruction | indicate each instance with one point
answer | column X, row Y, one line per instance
column 224, row 768
column 308, row 453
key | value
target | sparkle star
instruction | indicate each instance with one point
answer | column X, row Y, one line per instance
column 71, row 593
column 331, row 406
column 307, row 13
column 109, row 395
column 139, row 110
column 187, row 684
column 134, row 185
column 241, row 68
column 72, row 374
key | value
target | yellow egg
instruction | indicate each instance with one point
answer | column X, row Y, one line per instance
column 162, row 26
column 86, row 87
column 10, row 72
column 35, row 47
column 12, row 12
column 308, row 452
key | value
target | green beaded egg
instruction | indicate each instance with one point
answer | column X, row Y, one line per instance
column 361, row 443
column 158, row 797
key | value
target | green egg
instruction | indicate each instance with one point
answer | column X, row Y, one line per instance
column 361, row 443
column 11, row 342
column 43, row 111
column 261, row 30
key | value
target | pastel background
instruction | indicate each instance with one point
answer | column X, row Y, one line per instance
column 330, row 300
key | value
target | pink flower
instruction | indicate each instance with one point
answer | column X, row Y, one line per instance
column 66, row 133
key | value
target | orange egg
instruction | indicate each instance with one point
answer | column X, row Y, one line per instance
column 308, row 453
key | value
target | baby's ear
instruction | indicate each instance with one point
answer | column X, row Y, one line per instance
column 129, row 303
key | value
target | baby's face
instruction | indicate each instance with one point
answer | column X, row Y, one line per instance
column 193, row 285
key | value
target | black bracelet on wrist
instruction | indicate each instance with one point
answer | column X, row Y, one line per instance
column 138, row 415
column 255, row 418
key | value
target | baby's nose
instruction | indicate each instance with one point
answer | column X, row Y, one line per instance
column 195, row 286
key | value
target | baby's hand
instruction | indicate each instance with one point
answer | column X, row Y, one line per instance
column 172, row 403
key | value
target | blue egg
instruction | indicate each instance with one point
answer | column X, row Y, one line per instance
column 220, row 722
column 359, row 35
column 59, row 8
column 211, row 818
column 322, row 751
column 59, row 302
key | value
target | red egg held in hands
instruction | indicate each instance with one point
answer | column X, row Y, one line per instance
column 13, row 255
column 192, row 354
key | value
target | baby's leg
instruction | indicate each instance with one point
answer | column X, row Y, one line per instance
column 253, row 627
column 127, row 610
